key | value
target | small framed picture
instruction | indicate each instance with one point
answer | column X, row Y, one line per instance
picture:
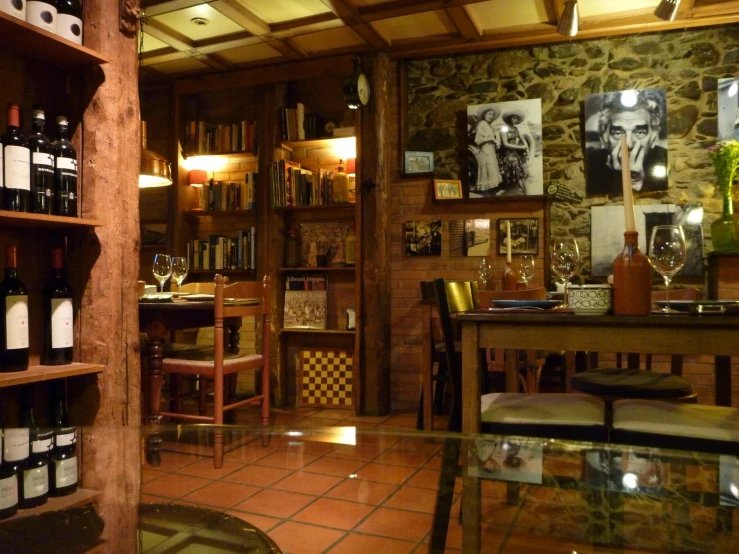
column 524, row 237
column 446, row 189
column 418, row 163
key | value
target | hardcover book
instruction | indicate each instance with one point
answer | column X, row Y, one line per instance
column 305, row 309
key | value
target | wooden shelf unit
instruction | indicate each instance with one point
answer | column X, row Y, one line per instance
column 222, row 213
column 344, row 269
column 38, row 373
column 344, row 332
column 24, row 219
column 326, row 142
column 237, row 154
column 80, row 497
column 329, row 211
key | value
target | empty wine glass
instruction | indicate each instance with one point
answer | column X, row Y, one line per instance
column 179, row 269
column 525, row 268
column 486, row 271
column 667, row 254
column 162, row 269
column 565, row 259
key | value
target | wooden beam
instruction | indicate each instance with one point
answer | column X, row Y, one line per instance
column 288, row 48
column 399, row 8
column 460, row 18
column 303, row 22
column 180, row 42
column 238, row 13
column 347, row 13
column 152, row 7
column 370, row 36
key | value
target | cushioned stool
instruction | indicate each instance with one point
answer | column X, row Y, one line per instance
column 633, row 383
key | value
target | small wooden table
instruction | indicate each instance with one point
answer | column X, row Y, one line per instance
column 658, row 334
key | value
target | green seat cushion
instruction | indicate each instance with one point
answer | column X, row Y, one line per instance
column 631, row 383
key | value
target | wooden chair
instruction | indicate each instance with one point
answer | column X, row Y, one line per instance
column 215, row 364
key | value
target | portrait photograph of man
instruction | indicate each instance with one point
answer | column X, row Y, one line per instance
column 638, row 115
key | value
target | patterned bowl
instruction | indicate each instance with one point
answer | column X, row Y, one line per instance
column 590, row 299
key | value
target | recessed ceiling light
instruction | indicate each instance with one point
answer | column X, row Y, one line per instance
column 200, row 21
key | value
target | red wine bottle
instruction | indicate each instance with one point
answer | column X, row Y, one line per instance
column 69, row 20
column 42, row 165
column 59, row 315
column 8, row 481
column 63, row 467
column 15, row 453
column 16, row 165
column 42, row 13
column 34, row 481
column 14, row 324
column 65, row 172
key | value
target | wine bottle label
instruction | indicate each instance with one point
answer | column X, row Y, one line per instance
column 69, row 27
column 62, row 323
column 41, row 14
column 17, row 167
column 66, row 436
column 35, row 482
column 44, row 161
column 16, row 322
column 8, row 492
column 16, row 8
column 42, row 446
column 16, row 444
column 2, row 173
column 66, row 472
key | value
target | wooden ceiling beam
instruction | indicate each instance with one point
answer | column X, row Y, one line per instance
column 238, row 13
column 462, row 21
column 350, row 16
column 288, row 48
column 370, row 36
column 303, row 22
column 154, row 7
column 399, row 8
column 345, row 11
column 180, row 42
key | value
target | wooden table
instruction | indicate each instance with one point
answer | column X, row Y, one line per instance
column 158, row 320
column 658, row 334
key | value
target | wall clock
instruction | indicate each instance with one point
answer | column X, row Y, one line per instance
column 356, row 90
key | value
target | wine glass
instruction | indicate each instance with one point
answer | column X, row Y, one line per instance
column 162, row 269
column 525, row 268
column 179, row 269
column 565, row 259
column 667, row 254
column 486, row 271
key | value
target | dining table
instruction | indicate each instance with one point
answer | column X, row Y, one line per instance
column 711, row 335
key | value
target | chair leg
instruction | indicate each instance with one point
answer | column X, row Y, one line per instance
column 441, row 379
column 445, row 495
column 175, row 393
column 202, row 394
column 420, row 419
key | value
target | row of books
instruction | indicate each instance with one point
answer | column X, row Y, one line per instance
column 220, row 252
column 305, row 302
column 202, row 137
column 219, row 196
column 292, row 185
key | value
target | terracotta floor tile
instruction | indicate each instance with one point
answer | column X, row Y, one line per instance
column 339, row 467
column 410, row 498
column 285, row 419
column 433, row 463
column 395, row 475
column 174, row 486
column 263, row 523
column 334, row 513
column 365, row 492
column 378, row 440
column 205, row 469
column 222, row 494
column 172, row 461
column 397, row 524
column 403, row 458
column 338, row 415
column 287, row 460
column 300, row 538
column 150, row 474
column 316, row 422
column 260, row 476
column 312, row 448
column 152, row 498
column 366, row 453
column 275, row 503
column 373, row 419
column 425, row 479
column 307, row 483
column 419, row 444
column 400, row 420
column 356, row 543
column 250, row 453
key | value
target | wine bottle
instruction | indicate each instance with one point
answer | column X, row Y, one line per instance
column 16, row 8
column 63, row 467
column 42, row 13
column 15, row 453
column 65, row 172
column 59, row 315
column 14, row 326
column 34, row 483
column 16, row 165
column 42, row 162
column 8, row 481
column 69, row 20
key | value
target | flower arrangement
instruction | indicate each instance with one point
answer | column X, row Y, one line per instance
column 725, row 156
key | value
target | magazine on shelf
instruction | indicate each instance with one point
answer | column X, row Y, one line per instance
column 305, row 309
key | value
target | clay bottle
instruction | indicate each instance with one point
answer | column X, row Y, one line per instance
column 632, row 279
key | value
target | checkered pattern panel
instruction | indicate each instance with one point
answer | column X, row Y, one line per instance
column 325, row 378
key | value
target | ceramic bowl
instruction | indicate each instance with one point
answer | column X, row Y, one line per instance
column 590, row 299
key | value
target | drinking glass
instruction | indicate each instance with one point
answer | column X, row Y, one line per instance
column 525, row 268
column 162, row 269
column 667, row 254
column 486, row 271
column 565, row 259
column 179, row 269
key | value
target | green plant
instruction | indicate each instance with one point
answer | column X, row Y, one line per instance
column 725, row 156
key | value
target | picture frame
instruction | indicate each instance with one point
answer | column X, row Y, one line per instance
column 447, row 189
column 524, row 233
column 418, row 163
column 423, row 238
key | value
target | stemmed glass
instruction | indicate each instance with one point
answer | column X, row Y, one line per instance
column 162, row 269
column 667, row 254
column 486, row 272
column 179, row 270
column 565, row 259
column 525, row 268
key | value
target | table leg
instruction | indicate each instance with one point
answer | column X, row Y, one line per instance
column 154, row 370
column 723, row 380
column 471, row 494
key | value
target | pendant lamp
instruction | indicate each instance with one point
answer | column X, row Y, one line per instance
column 667, row 9
column 154, row 170
column 569, row 23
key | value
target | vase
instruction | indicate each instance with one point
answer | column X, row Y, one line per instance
column 725, row 230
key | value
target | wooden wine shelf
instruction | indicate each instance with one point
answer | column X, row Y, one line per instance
column 317, row 332
column 37, row 373
column 331, row 211
column 221, row 213
column 237, row 154
column 327, row 142
column 80, row 497
column 22, row 219
column 329, row 269
column 39, row 44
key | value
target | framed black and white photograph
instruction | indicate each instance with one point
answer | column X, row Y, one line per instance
column 728, row 109
column 447, row 189
column 607, row 233
column 423, row 238
column 504, row 149
column 524, row 237
column 470, row 237
column 728, row 481
column 640, row 116
column 418, row 163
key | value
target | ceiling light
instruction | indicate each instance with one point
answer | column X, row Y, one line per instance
column 570, row 21
column 154, row 170
column 199, row 21
column 667, row 9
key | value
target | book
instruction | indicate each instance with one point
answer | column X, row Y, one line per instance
column 305, row 282
column 305, row 309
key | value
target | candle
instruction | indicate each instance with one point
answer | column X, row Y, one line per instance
column 626, row 182
column 508, row 241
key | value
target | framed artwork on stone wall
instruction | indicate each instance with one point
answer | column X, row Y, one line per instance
column 524, row 236
column 504, row 149
column 728, row 109
column 640, row 115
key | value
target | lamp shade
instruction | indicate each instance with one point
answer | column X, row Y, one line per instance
column 154, row 170
column 351, row 166
column 569, row 23
column 198, row 177
column 667, row 9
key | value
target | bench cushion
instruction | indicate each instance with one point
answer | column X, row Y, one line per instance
column 631, row 383
column 542, row 409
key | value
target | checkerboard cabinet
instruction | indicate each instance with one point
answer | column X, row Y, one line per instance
column 93, row 85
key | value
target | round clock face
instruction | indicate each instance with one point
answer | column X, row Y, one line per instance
column 363, row 88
